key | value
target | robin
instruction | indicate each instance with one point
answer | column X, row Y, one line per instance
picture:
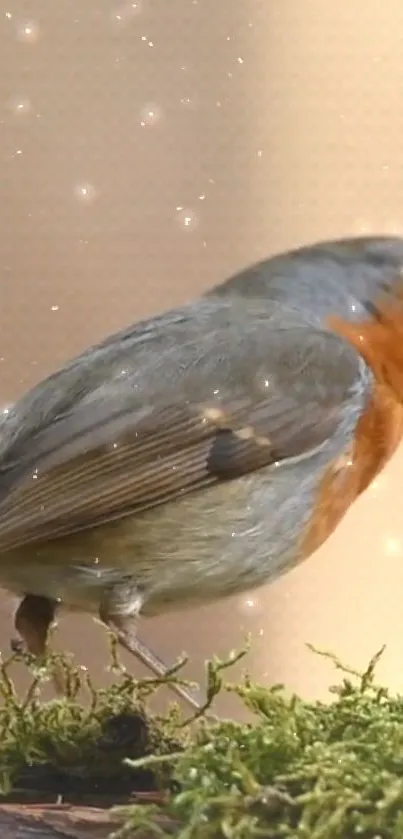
column 207, row 450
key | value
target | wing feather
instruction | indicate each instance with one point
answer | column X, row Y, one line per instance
column 116, row 453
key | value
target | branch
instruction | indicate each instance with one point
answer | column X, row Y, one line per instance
column 58, row 821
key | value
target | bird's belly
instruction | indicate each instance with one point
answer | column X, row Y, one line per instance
column 221, row 541
column 63, row 583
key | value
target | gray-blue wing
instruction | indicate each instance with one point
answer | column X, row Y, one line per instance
column 175, row 425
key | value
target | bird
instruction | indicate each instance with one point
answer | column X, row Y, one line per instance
column 208, row 449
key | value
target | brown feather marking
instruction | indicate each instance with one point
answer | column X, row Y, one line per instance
column 380, row 428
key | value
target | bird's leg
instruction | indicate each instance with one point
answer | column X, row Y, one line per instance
column 32, row 620
column 119, row 611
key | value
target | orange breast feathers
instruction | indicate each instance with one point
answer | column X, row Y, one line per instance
column 380, row 428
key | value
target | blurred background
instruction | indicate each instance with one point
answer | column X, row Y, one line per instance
column 147, row 150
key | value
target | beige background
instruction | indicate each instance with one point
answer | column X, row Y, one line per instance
column 147, row 150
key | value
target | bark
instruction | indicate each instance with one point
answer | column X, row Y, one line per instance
column 58, row 821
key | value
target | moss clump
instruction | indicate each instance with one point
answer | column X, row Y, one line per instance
column 72, row 750
column 303, row 770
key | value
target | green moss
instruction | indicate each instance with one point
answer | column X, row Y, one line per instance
column 303, row 770
column 73, row 749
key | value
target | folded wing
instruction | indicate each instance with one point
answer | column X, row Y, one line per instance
column 119, row 451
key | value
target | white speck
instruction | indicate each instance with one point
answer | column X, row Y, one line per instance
column 20, row 106
column 85, row 193
column 240, row 60
column 377, row 486
column 260, row 152
column 201, row 197
column 55, row 308
column 250, row 606
column 28, row 32
column 8, row 15
column 150, row 115
column 187, row 218
column 125, row 13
